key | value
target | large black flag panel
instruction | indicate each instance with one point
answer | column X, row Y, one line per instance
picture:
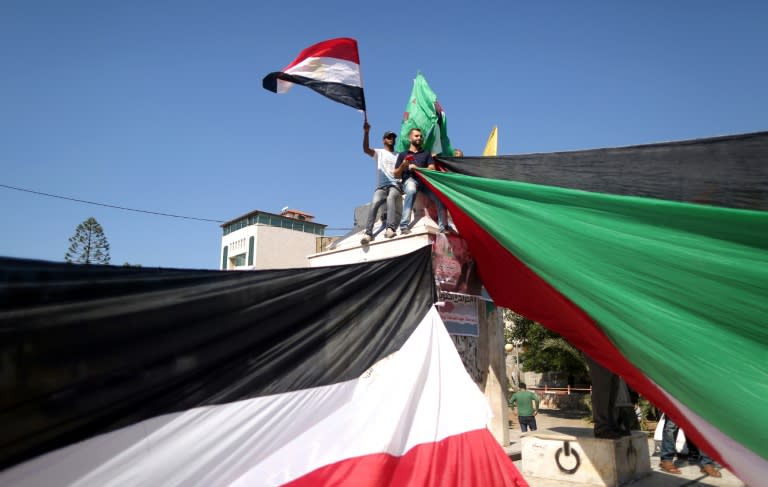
column 88, row 349
column 729, row 171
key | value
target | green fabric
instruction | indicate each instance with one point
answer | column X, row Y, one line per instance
column 681, row 289
column 524, row 400
column 421, row 113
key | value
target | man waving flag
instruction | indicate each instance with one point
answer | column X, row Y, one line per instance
column 331, row 68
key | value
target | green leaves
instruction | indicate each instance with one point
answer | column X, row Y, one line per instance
column 88, row 245
column 543, row 350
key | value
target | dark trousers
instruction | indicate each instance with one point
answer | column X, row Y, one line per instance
column 605, row 386
column 668, row 451
column 527, row 422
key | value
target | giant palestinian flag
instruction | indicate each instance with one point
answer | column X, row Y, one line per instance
column 671, row 295
column 331, row 68
column 326, row 376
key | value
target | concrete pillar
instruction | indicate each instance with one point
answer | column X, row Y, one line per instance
column 491, row 360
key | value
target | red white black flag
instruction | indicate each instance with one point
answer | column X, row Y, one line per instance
column 340, row 375
column 331, row 68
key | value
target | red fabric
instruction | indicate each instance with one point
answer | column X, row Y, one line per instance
column 469, row 459
column 341, row 48
column 514, row 285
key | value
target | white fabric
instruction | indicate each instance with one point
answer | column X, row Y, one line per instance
column 658, row 433
column 418, row 395
column 385, row 167
column 681, row 445
column 332, row 70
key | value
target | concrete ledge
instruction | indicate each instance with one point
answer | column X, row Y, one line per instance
column 513, row 452
column 574, row 455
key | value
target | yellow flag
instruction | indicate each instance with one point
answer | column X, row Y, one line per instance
column 491, row 147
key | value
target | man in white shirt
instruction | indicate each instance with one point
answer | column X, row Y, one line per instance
column 387, row 186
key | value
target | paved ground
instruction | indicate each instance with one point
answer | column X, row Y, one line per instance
column 690, row 477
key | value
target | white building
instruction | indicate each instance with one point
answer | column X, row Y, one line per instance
column 261, row 240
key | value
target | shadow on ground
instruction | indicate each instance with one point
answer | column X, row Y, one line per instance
column 565, row 414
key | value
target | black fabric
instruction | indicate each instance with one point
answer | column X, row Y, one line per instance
column 352, row 96
column 727, row 171
column 605, row 387
column 420, row 159
column 88, row 349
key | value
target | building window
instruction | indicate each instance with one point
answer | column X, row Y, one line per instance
column 299, row 224
column 239, row 260
column 224, row 258
column 251, row 242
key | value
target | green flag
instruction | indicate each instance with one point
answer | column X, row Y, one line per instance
column 423, row 111
column 674, row 296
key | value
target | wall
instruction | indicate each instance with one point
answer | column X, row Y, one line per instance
column 274, row 248
column 280, row 248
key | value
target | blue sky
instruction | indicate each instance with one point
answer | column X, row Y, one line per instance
column 158, row 105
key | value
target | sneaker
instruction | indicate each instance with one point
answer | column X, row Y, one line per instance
column 366, row 239
column 405, row 231
column 669, row 467
column 389, row 233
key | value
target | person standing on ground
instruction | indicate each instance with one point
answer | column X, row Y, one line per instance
column 669, row 433
column 416, row 157
column 526, row 412
column 387, row 185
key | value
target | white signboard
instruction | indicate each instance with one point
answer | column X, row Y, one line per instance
column 459, row 313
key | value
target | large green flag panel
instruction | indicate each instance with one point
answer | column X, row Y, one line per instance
column 680, row 289
column 424, row 112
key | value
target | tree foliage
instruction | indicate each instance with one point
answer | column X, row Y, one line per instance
column 544, row 350
column 88, row 245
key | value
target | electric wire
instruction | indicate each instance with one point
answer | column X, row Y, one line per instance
column 110, row 206
column 158, row 213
